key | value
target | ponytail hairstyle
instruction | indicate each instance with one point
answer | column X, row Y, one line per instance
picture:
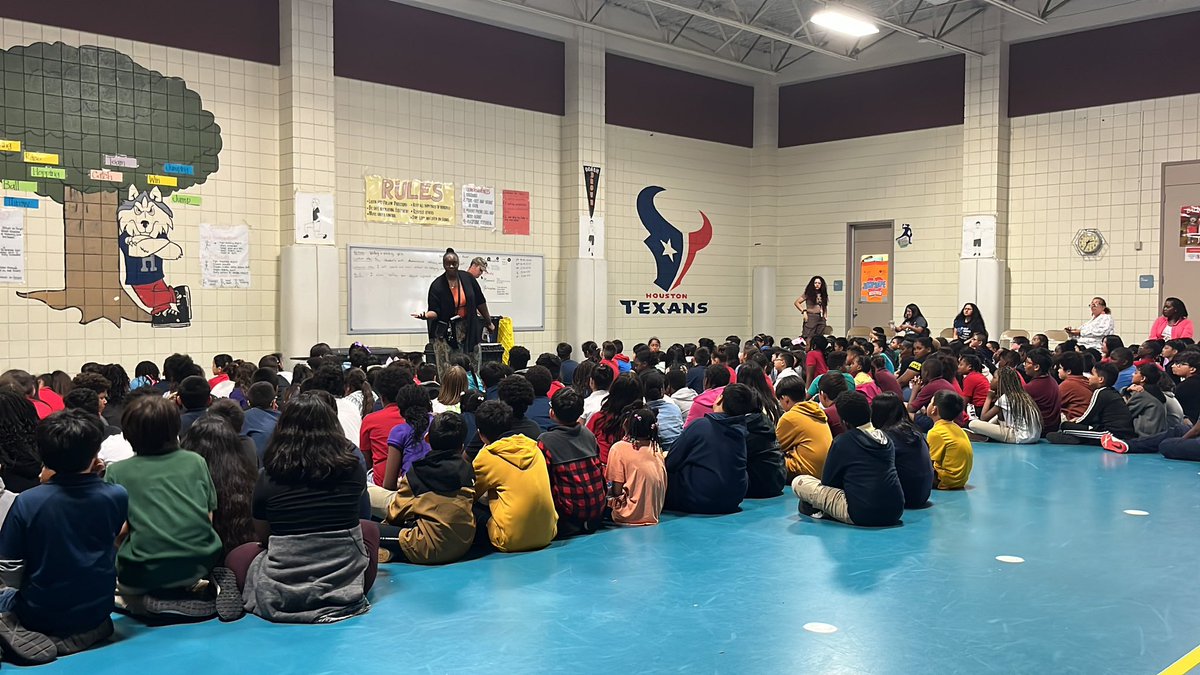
column 416, row 407
column 624, row 396
column 356, row 380
column 819, row 343
column 1021, row 406
column 641, row 425
column 222, row 362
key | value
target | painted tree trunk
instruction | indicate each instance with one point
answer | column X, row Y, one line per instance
column 92, row 262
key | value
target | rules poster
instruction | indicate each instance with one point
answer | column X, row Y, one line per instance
column 412, row 202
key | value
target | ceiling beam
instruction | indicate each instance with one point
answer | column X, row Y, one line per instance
column 629, row 36
column 733, row 23
column 1013, row 9
column 922, row 37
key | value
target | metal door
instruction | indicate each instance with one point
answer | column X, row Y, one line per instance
column 1180, row 237
column 871, row 263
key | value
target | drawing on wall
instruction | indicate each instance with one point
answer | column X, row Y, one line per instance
column 84, row 125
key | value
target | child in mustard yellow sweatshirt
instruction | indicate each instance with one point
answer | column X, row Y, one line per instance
column 511, row 475
column 803, row 431
column 949, row 447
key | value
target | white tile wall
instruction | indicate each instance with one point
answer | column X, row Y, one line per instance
column 1095, row 167
column 913, row 177
column 243, row 97
column 408, row 134
column 698, row 176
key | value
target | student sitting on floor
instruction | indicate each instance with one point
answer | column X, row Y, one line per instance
column 600, row 379
column 1186, row 448
column 975, row 384
column 830, row 389
column 637, row 472
column 706, row 470
column 678, row 391
column 913, row 465
column 1146, row 401
column 376, row 427
column 518, row 393
column 541, row 380
column 320, row 558
column 430, row 520
column 56, row 547
column 1043, row 389
column 1186, row 369
column 883, row 377
column 576, row 473
column 935, row 377
column 859, row 485
column 194, row 397
column 624, row 396
column 716, row 377
column 261, row 417
column 169, row 547
column 949, row 447
column 233, row 475
column 666, row 413
column 512, row 482
column 1107, row 413
column 1010, row 415
column 766, row 472
column 803, row 431
column 406, row 444
column 1074, row 391
column 837, row 366
column 1122, row 358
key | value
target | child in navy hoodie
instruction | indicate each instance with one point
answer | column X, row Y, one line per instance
column 706, row 468
column 56, row 547
column 859, row 485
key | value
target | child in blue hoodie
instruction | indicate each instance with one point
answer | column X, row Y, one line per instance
column 706, row 468
column 859, row 485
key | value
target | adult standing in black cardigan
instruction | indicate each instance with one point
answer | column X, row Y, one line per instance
column 456, row 303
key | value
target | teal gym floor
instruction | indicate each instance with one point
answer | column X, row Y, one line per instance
column 1100, row 591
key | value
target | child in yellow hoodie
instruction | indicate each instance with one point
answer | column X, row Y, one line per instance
column 511, row 475
column 803, row 431
column 949, row 447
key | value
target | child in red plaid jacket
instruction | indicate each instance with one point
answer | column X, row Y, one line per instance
column 576, row 475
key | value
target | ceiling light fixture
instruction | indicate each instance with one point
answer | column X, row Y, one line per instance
column 840, row 20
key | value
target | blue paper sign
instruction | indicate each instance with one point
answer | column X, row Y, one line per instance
column 1146, row 281
column 20, row 203
column 837, row 285
column 179, row 169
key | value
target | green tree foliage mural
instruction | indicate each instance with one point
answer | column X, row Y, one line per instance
column 83, row 104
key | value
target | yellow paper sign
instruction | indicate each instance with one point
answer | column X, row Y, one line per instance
column 169, row 181
column 412, row 202
column 41, row 158
column 10, row 146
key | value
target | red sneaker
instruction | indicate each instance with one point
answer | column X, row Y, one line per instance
column 1113, row 444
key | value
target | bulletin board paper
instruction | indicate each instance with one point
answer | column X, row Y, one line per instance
column 478, row 207
column 224, row 256
column 12, row 246
column 516, row 212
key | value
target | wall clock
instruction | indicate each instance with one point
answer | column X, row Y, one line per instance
column 1088, row 243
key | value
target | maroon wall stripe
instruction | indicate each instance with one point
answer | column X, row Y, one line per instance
column 240, row 29
column 645, row 96
column 922, row 95
column 1130, row 62
column 390, row 43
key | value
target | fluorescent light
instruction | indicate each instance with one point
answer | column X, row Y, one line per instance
column 839, row 21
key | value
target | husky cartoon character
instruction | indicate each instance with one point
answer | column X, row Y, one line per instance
column 144, row 224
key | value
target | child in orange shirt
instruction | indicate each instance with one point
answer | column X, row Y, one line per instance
column 637, row 472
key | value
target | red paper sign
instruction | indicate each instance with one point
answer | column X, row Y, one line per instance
column 516, row 212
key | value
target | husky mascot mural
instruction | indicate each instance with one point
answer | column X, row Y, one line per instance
column 144, row 225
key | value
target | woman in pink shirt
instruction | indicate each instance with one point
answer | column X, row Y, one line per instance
column 1173, row 324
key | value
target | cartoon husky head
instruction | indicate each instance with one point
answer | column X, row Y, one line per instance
column 145, row 214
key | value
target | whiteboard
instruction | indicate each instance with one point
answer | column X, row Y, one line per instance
column 387, row 284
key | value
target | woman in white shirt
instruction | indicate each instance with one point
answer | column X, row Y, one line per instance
column 1018, row 418
column 1092, row 333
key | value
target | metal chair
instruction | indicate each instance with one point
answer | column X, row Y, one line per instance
column 1007, row 336
column 859, row 331
column 947, row 333
column 1057, row 337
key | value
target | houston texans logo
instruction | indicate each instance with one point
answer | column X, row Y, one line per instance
column 672, row 255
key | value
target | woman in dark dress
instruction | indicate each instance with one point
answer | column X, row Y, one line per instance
column 456, row 303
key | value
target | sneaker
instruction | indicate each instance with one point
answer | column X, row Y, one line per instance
column 80, row 641
column 971, row 414
column 189, row 603
column 229, row 599
column 806, row 509
column 1113, row 444
column 23, row 645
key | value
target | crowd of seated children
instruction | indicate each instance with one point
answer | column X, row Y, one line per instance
column 249, row 473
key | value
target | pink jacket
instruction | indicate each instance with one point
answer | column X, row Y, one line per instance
column 703, row 404
column 1183, row 329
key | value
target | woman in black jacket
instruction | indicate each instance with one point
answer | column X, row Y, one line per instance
column 455, row 304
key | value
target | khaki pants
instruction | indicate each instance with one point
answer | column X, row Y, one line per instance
column 381, row 499
column 996, row 432
column 831, row 501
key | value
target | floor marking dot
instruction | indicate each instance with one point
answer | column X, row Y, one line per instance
column 1136, row 512
column 1015, row 560
column 818, row 627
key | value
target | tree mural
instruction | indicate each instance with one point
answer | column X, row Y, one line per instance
column 115, row 126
